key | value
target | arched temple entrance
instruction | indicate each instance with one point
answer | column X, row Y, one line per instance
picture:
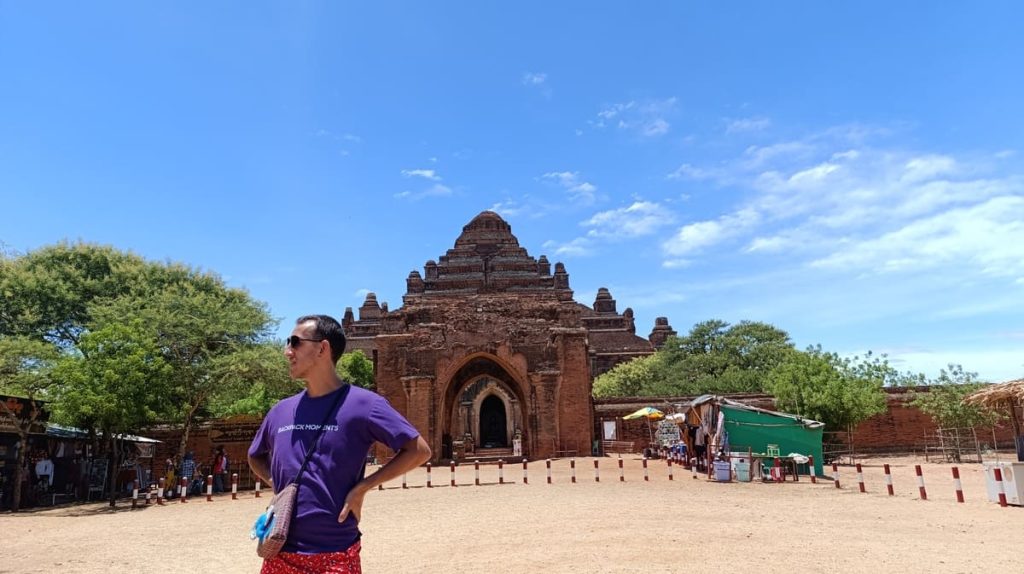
column 485, row 409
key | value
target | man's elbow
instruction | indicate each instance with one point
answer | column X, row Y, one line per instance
column 422, row 451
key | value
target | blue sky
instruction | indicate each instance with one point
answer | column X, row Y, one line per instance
column 850, row 173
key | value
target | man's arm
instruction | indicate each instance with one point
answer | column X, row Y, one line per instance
column 261, row 466
column 412, row 454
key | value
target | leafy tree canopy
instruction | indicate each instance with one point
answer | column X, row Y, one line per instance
column 203, row 330
column 826, row 387
column 356, row 368
column 944, row 400
column 715, row 357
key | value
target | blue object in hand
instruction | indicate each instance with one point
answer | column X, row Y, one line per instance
column 262, row 525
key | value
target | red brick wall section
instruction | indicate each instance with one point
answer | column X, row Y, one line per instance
column 575, row 412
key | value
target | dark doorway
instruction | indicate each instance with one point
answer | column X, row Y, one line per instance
column 493, row 425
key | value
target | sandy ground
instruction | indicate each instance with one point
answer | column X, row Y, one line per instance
column 610, row 526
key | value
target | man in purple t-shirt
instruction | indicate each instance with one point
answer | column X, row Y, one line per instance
column 324, row 534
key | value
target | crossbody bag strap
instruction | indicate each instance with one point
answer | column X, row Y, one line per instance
column 338, row 401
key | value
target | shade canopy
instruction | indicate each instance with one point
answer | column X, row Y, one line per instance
column 649, row 413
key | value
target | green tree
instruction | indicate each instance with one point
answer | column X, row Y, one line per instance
column 943, row 400
column 48, row 293
column 117, row 382
column 356, row 368
column 714, row 357
column 63, row 292
column 25, row 372
column 630, row 379
column 198, row 323
column 825, row 387
column 251, row 380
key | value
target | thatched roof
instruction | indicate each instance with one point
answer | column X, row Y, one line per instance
column 998, row 395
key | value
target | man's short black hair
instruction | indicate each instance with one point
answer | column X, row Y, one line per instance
column 327, row 328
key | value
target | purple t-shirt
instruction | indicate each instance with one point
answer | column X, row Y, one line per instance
column 336, row 465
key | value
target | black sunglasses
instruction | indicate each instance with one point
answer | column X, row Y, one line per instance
column 295, row 340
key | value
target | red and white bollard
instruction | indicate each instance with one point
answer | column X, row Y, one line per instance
column 135, row 494
column 526, row 478
column 860, row 478
column 646, row 477
column 547, row 464
column 597, row 472
column 209, row 488
column 810, row 468
column 693, row 468
column 888, row 480
column 452, row 466
column 670, row 469
column 149, row 493
column 999, row 486
column 777, row 470
column 405, row 480
column 622, row 473
column 429, row 485
column 259, row 485
column 476, row 472
column 183, row 493
column 956, row 485
column 234, row 486
column 501, row 471
column 572, row 469
column 160, row 492
column 835, row 474
column 920, row 482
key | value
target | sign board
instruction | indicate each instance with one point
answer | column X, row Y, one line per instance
column 667, row 433
column 98, row 475
column 609, row 430
column 15, row 411
column 234, row 430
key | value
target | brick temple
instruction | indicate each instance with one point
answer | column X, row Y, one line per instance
column 489, row 350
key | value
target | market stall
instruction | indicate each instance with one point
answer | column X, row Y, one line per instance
column 718, row 426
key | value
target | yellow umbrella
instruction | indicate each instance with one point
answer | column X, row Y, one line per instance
column 649, row 413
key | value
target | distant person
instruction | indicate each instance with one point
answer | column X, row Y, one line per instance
column 188, row 468
column 170, row 476
column 324, row 534
column 220, row 469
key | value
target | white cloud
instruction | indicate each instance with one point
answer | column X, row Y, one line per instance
column 639, row 219
column 580, row 191
column 512, row 208
column 424, row 173
column 857, row 210
column 534, row 79
column 362, row 293
column 747, row 125
column 687, row 171
column 989, row 237
column 676, row 263
column 695, row 237
column 647, row 118
column 579, row 247
column 436, row 190
column 928, row 167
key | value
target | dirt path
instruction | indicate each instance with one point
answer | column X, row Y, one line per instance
column 610, row 526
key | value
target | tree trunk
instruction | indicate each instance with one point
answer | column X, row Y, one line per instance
column 19, row 469
column 115, row 467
